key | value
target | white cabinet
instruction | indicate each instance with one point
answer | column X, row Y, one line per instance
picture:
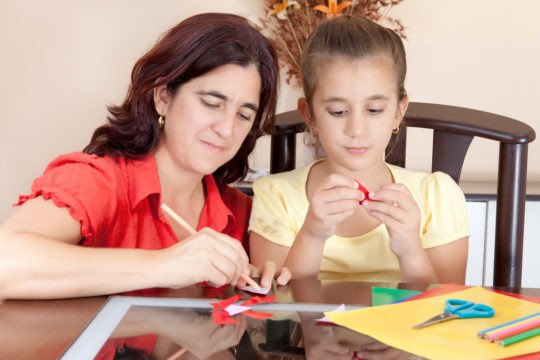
column 481, row 243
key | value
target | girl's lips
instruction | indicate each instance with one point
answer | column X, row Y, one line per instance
column 357, row 150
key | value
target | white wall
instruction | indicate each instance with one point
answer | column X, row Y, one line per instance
column 63, row 61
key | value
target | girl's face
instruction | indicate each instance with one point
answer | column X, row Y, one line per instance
column 208, row 118
column 354, row 109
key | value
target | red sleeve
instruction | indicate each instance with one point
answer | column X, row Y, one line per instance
column 240, row 205
column 84, row 183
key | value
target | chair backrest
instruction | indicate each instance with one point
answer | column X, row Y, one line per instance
column 453, row 130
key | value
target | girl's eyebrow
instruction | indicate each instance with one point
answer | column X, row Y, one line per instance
column 340, row 99
column 224, row 97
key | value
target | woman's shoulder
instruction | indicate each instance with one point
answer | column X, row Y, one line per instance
column 80, row 159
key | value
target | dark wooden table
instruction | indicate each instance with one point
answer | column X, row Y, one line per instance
column 44, row 329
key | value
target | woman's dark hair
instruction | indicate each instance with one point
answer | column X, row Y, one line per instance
column 195, row 46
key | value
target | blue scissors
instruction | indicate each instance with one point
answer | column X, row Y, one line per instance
column 459, row 309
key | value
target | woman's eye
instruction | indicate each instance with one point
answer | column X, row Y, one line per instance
column 209, row 105
column 246, row 117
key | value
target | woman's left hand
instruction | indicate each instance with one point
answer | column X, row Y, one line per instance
column 395, row 207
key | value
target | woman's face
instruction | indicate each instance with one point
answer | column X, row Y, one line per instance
column 208, row 118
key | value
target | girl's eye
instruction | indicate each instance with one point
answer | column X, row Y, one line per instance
column 374, row 111
column 337, row 113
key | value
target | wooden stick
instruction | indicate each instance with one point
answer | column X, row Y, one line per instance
column 192, row 231
column 251, row 282
column 178, row 219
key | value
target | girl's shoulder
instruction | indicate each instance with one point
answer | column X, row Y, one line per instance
column 424, row 181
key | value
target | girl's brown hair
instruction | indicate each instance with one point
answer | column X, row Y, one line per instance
column 353, row 37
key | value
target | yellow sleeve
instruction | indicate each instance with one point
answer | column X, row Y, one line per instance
column 445, row 211
column 278, row 209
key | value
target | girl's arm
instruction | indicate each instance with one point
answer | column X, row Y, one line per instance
column 332, row 201
column 449, row 261
column 396, row 208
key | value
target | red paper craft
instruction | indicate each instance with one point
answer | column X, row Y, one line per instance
column 221, row 316
column 365, row 191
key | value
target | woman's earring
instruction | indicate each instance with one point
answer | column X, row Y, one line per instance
column 395, row 131
column 161, row 121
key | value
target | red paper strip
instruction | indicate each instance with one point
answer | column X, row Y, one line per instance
column 221, row 316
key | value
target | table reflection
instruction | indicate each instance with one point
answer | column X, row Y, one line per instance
column 147, row 332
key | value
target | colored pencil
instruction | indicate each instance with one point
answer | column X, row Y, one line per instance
column 500, row 326
column 192, row 231
column 520, row 337
column 515, row 329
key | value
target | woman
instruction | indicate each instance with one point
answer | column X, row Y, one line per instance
column 197, row 103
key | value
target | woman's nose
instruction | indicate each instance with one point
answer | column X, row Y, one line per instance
column 224, row 125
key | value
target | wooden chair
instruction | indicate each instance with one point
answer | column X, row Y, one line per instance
column 453, row 130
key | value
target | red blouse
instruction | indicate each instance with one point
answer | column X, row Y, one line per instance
column 116, row 201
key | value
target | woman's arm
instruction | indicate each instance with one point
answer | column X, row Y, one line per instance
column 39, row 258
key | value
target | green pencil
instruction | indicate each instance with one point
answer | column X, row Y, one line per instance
column 520, row 337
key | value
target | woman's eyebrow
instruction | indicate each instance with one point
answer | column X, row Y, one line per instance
column 224, row 97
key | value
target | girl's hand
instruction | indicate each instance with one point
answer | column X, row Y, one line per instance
column 331, row 203
column 267, row 274
column 206, row 256
column 396, row 208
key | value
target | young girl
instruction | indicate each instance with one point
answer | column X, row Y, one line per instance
column 92, row 223
column 412, row 227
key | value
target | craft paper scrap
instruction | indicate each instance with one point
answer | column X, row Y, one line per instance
column 455, row 339
column 236, row 309
column 251, row 289
column 325, row 319
column 221, row 314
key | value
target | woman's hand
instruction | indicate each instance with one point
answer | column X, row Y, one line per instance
column 207, row 256
column 332, row 202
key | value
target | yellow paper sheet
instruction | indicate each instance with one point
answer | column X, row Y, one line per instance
column 454, row 339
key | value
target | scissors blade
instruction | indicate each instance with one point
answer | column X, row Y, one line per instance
column 436, row 319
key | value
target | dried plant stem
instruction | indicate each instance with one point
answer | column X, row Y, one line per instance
column 294, row 35
column 284, row 43
column 308, row 17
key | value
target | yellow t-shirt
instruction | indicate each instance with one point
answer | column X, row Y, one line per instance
column 280, row 206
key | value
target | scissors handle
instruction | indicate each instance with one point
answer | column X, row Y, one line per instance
column 467, row 309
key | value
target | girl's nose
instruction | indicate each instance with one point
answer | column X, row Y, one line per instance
column 355, row 126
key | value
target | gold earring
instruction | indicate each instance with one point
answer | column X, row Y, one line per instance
column 161, row 121
column 314, row 132
column 395, row 131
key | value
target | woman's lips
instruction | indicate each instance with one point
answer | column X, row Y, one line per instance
column 213, row 147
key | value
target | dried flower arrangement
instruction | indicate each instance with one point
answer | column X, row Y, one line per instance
column 289, row 22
